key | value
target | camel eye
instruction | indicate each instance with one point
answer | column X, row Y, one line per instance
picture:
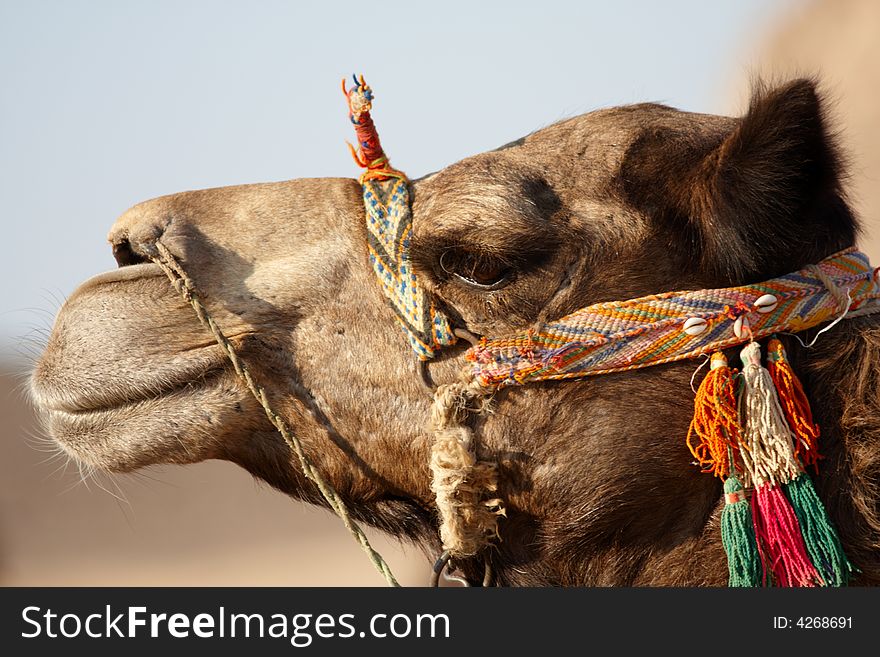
column 477, row 271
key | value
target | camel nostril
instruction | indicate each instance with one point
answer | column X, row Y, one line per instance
column 124, row 254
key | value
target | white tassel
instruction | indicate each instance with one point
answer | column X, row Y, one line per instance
column 768, row 453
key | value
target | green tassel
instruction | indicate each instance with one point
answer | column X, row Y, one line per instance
column 738, row 536
column 823, row 543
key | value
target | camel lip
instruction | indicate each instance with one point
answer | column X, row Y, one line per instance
column 126, row 273
column 81, row 407
column 113, row 438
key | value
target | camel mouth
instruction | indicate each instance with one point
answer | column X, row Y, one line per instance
column 52, row 391
column 129, row 378
column 120, row 398
column 127, row 432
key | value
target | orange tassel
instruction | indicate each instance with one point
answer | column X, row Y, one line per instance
column 794, row 404
column 713, row 437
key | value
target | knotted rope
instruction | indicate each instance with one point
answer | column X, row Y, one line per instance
column 184, row 285
column 463, row 485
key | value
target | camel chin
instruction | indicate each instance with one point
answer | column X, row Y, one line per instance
column 143, row 387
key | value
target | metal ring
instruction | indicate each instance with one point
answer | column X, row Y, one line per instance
column 488, row 575
column 464, row 334
column 426, row 377
column 439, row 567
column 442, row 564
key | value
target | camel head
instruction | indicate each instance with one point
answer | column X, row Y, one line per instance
column 614, row 204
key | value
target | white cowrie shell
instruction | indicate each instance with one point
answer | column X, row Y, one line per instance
column 766, row 303
column 694, row 325
column 741, row 326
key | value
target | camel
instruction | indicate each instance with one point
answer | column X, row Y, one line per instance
column 598, row 486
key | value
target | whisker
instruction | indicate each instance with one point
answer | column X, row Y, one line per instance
column 83, row 474
column 148, row 476
column 120, row 498
column 58, row 297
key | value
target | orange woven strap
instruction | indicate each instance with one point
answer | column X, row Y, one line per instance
column 661, row 328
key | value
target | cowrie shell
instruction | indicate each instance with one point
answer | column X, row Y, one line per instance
column 766, row 303
column 694, row 325
column 741, row 326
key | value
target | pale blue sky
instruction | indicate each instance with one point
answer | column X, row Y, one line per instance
column 104, row 104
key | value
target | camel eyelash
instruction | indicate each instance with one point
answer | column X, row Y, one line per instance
column 481, row 272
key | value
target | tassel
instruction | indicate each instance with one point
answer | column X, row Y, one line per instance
column 715, row 423
column 777, row 530
column 768, row 455
column 822, row 542
column 767, row 449
column 821, row 539
column 738, row 536
column 794, row 404
column 713, row 439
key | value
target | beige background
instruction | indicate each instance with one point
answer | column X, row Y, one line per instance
column 213, row 524
column 838, row 40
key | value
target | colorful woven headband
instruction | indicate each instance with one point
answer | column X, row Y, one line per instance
column 752, row 427
column 661, row 328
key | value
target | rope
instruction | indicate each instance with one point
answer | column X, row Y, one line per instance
column 460, row 481
column 183, row 284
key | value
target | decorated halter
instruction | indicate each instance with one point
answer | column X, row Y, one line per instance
column 752, row 426
column 389, row 231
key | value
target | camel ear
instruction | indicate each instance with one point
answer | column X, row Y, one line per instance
column 758, row 200
column 767, row 199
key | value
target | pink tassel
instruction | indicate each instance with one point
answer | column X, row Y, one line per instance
column 779, row 537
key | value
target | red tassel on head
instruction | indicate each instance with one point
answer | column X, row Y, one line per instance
column 821, row 539
column 369, row 154
column 794, row 404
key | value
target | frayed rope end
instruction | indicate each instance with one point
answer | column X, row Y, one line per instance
column 464, row 487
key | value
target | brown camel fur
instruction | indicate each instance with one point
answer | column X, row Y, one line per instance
column 598, row 484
